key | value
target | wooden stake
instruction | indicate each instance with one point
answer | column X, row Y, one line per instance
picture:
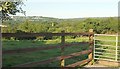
column 62, row 49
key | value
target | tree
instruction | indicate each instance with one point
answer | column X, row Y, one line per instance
column 10, row 8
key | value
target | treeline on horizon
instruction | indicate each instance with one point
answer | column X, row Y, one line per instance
column 103, row 25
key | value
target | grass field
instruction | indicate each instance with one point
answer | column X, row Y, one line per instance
column 16, row 44
column 20, row 58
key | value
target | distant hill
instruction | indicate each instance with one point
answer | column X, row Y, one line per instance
column 50, row 19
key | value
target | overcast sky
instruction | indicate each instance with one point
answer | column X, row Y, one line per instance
column 71, row 8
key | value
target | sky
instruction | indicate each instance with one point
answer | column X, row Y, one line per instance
column 71, row 8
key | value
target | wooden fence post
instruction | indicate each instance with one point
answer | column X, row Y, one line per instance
column 116, row 47
column 0, row 48
column 90, row 56
column 62, row 48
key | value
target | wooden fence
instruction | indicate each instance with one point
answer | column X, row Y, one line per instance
column 61, row 58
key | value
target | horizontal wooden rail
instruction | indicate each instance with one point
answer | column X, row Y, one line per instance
column 79, row 63
column 42, row 34
column 76, row 54
column 40, row 48
column 32, row 64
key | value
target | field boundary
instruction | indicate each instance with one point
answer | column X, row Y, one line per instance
column 89, row 34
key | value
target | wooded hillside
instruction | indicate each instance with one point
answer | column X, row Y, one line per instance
column 37, row 24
